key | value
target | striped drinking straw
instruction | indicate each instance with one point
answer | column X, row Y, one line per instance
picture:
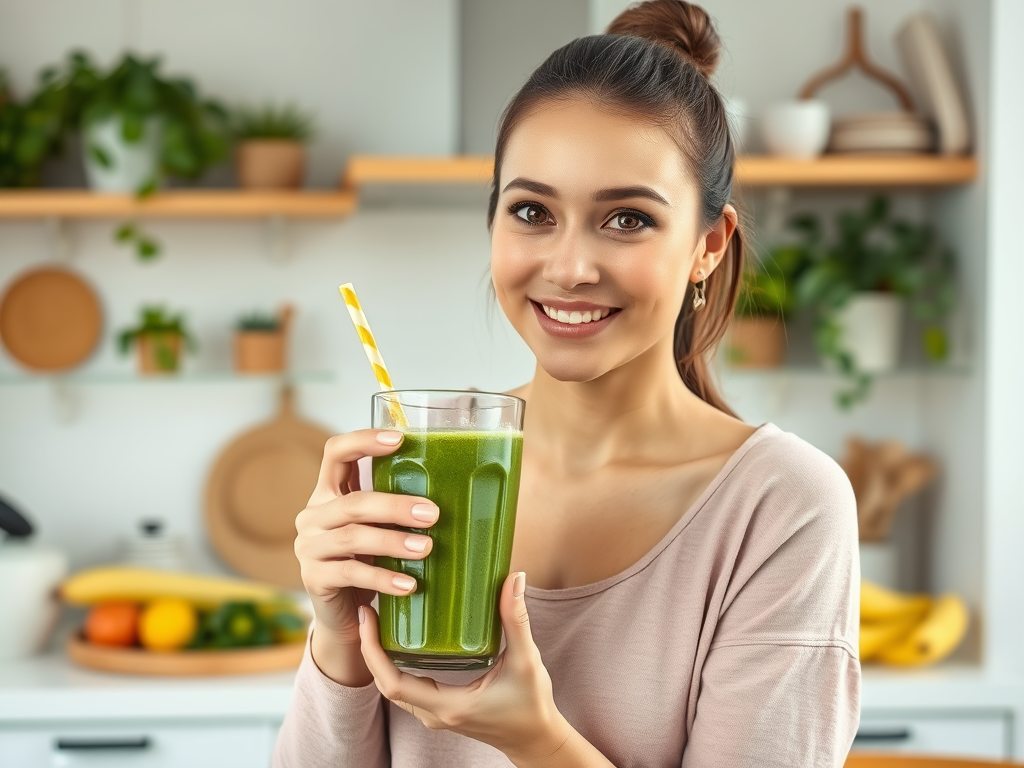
column 380, row 371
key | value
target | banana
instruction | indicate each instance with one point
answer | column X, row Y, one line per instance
column 934, row 638
column 875, row 636
column 97, row 585
column 877, row 603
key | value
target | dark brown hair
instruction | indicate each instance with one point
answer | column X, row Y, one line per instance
column 654, row 62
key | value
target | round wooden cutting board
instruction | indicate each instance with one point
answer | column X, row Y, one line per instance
column 50, row 319
column 138, row 661
column 258, row 484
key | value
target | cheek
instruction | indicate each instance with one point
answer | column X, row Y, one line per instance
column 655, row 277
column 511, row 265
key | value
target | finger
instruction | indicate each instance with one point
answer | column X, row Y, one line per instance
column 341, row 453
column 357, row 539
column 515, row 619
column 370, row 507
column 422, row 693
column 323, row 578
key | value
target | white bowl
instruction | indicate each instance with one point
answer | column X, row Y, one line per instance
column 796, row 129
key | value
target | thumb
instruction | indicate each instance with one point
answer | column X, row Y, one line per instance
column 514, row 617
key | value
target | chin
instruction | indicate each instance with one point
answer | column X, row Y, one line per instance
column 572, row 367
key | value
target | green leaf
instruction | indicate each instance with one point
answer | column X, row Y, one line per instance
column 124, row 233
column 147, row 248
column 148, row 189
column 132, row 128
column 100, row 156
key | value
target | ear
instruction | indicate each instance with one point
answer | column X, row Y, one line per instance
column 712, row 245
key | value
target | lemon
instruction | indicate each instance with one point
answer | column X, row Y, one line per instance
column 167, row 624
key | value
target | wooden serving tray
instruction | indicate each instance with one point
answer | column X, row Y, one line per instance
column 138, row 661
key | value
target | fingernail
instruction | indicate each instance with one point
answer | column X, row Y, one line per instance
column 360, row 612
column 404, row 582
column 389, row 438
column 416, row 543
column 425, row 513
column 519, row 585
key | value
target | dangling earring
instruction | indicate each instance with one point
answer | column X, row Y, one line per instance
column 699, row 298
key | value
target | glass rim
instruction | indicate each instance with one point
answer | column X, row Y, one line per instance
column 471, row 392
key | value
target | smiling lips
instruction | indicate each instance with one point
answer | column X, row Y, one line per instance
column 573, row 319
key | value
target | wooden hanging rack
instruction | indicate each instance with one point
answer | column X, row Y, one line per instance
column 856, row 56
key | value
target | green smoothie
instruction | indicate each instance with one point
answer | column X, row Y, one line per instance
column 451, row 621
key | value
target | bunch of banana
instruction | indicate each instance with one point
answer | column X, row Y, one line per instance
column 909, row 629
column 134, row 584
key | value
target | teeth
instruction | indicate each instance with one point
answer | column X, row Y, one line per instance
column 575, row 318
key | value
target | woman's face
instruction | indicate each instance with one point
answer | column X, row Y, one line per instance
column 596, row 234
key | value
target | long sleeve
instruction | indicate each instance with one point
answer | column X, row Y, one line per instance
column 330, row 725
column 780, row 685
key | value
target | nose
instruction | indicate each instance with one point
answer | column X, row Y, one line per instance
column 568, row 263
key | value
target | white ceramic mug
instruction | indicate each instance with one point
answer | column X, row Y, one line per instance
column 796, row 129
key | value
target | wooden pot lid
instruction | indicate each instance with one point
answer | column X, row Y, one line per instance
column 50, row 319
column 139, row 661
column 258, row 484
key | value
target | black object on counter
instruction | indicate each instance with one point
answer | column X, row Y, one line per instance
column 13, row 523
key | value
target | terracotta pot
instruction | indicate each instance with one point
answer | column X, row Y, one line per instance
column 270, row 164
column 756, row 342
column 159, row 352
column 259, row 351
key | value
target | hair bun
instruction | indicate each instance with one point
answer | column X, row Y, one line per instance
column 684, row 27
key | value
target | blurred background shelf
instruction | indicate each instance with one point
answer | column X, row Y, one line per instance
column 820, row 371
column 221, row 203
column 752, row 170
column 187, row 377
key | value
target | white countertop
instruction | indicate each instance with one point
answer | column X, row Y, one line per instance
column 51, row 688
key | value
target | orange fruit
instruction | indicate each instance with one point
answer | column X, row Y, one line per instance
column 114, row 623
column 167, row 624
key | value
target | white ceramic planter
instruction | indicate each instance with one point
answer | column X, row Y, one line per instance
column 132, row 165
column 796, row 129
column 870, row 326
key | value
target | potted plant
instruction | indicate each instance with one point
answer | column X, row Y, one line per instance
column 271, row 152
column 261, row 341
column 858, row 283
column 159, row 338
column 757, row 333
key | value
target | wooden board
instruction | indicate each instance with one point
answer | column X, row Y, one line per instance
column 138, row 661
column 190, row 203
column 258, row 484
column 50, row 319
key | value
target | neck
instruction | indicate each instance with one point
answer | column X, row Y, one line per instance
column 627, row 415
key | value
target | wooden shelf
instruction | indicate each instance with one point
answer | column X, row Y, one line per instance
column 752, row 170
column 192, row 203
column 856, row 171
column 379, row 169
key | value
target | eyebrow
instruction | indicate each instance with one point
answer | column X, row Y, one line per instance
column 601, row 196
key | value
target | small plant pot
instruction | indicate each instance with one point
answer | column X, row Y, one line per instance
column 129, row 166
column 159, row 353
column 869, row 326
column 756, row 342
column 259, row 351
column 270, row 164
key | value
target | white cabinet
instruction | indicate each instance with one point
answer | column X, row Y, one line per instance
column 985, row 734
column 148, row 744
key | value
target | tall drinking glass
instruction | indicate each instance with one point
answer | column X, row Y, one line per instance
column 463, row 451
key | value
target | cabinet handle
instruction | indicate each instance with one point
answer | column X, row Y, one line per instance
column 142, row 742
column 891, row 734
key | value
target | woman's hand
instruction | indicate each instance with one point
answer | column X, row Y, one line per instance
column 511, row 707
column 339, row 533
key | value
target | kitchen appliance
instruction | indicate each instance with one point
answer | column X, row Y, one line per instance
column 30, row 575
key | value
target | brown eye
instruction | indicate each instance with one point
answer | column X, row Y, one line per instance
column 630, row 221
column 627, row 221
column 533, row 214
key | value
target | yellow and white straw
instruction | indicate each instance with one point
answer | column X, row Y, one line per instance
column 380, row 371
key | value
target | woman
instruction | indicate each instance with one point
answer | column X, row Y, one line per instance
column 692, row 580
